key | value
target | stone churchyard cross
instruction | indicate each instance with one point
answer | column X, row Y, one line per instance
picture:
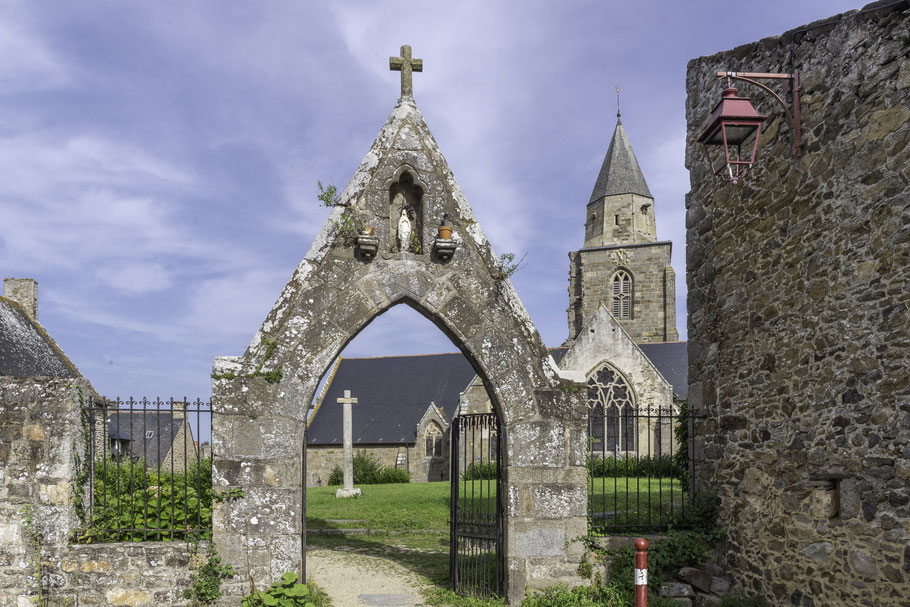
column 348, row 489
column 406, row 65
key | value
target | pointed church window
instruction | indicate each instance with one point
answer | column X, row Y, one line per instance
column 612, row 414
column 433, row 441
column 622, row 295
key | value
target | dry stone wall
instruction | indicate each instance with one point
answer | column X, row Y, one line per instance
column 41, row 440
column 799, row 327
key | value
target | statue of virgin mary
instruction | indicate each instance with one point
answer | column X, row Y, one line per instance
column 404, row 230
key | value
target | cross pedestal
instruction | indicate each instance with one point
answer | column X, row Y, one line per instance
column 348, row 489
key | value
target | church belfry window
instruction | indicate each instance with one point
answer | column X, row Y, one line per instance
column 612, row 410
column 621, row 295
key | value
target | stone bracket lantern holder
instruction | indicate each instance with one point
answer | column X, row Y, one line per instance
column 444, row 248
column 368, row 246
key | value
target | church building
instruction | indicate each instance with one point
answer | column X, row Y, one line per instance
column 622, row 264
column 622, row 339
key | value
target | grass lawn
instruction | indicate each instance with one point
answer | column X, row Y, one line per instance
column 398, row 507
column 410, row 506
column 623, row 501
column 404, row 508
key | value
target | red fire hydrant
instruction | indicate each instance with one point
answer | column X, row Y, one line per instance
column 641, row 572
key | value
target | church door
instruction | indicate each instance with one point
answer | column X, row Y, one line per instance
column 476, row 563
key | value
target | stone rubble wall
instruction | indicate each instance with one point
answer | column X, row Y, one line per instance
column 41, row 437
column 799, row 327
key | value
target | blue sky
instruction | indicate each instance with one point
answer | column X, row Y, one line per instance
column 158, row 160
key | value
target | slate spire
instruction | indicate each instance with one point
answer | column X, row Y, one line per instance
column 620, row 173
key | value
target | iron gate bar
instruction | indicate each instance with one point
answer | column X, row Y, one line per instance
column 475, row 557
column 303, row 508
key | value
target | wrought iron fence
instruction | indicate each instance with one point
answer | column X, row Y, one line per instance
column 639, row 466
column 147, row 472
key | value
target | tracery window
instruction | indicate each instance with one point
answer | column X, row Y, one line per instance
column 434, row 441
column 621, row 292
column 610, row 393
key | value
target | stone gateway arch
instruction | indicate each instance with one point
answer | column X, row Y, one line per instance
column 356, row 269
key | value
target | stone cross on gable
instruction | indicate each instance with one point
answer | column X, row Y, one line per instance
column 348, row 489
column 405, row 64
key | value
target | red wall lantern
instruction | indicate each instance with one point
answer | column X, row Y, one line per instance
column 733, row 121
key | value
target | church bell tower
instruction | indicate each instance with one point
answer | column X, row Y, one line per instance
column 622, row 265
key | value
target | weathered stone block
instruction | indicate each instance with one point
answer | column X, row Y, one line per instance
column 538, row 542
column 537, row 444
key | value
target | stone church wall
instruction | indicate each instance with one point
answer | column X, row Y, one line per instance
column 654, row 288
column 322, row 459
column 798, row 318
column 41, row 435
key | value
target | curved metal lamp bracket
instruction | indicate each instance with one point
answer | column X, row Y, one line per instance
column 791, row 81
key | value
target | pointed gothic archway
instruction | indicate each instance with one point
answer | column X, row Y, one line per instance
column 344, row 282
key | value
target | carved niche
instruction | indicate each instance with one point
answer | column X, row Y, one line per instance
column 406, row 215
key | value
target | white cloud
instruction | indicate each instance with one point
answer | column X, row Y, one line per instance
column 27, row 64
column 135, row 278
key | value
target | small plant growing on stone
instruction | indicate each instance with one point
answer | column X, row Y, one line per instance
column 347, row 226
column 273, row 377
column 507, row 265
column 414, row 245
column 206, row 580
column 33, row 535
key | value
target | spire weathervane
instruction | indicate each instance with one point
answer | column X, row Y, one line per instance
column 618, row 113
column 405, row 64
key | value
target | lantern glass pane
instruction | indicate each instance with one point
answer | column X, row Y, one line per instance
column 737, row 133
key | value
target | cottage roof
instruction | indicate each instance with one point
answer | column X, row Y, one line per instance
column 672, row 360
column 393, row 393
column 620, row 173
column 26, row 350
column 150, row 434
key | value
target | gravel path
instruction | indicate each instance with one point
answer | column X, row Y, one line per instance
column 354, row 579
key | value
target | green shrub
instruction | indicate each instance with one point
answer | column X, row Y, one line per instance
column 597, row 594
column 480, row 471
column 681, row 457
column 131, row 503
column 658, row 466
column 700, row 514
column 288, row 593
column 369, row 471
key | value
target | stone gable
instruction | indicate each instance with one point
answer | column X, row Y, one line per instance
column 340, row 286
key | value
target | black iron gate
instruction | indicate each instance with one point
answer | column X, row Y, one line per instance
column 475, row 551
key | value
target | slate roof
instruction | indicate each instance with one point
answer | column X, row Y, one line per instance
column 26, row 350
column 558, row 353
column 135, row 427
column 393, row 393
column 672, row 360
column 620, row 173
